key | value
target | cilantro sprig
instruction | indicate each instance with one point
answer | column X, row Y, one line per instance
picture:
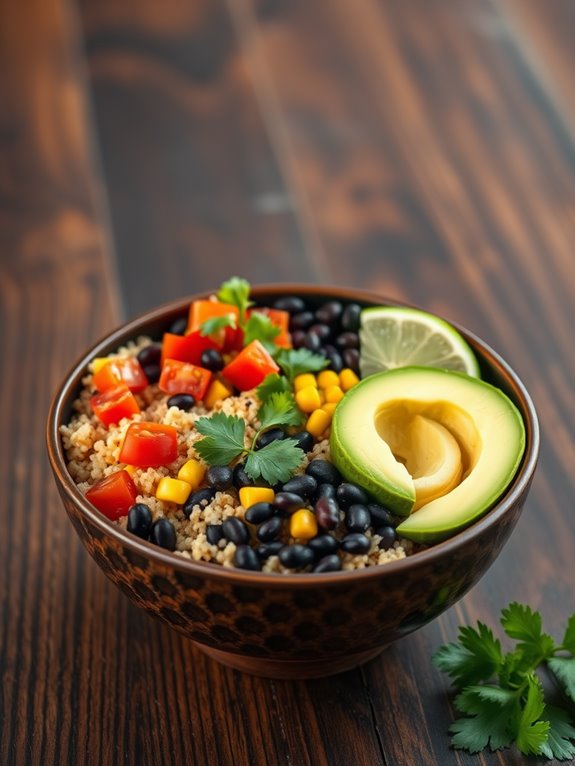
column 500, row 694
column 295, row 362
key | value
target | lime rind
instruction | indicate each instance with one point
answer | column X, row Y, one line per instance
column 392, row 337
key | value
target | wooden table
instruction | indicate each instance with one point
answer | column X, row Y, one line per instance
column 150, row 149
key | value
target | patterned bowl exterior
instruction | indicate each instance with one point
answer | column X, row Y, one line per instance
column 292, row 625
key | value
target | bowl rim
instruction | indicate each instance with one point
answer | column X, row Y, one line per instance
column 233, row 575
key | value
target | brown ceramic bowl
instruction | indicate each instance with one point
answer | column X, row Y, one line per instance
column 302, row 625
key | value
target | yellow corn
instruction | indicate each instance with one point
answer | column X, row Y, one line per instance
column 327, row 378
column 215, row 393
column 317, row 422
column 99, row 362
column 329, row 407
column 173, row 490
column 193, row 473
column 130, row 469
column 348, row 379
column 304, row 380
column 303, row 525
column 308, row 399
column 251, row 495
column 333, row 394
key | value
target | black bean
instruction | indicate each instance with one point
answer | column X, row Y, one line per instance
column 296, row 556
column 211, row 359
column 321, row 330
column 235, row 530
column 303, row 485
column 163, row 534
column 298, row 338
column 152, row 372
column 185, row 402
column 350, row 494
column 269, row 530
column 325, row 490
column 327, row 513
column 140, row 520
column 351, row 359
column 150, row 355
column 357, row 518
column 347, row 340
column 219, row 477
column 214, row 533
column 246, row 558
column 291, row 303
column 259, row 512
column 179, row 327
column 355, row 543
column 312, row 342
column 329, row 312
column 273, row 435
column 288, row 502
column 323, row 545
column 265, row 550
column 388, row 537
column 304, row 440
column 196, row 498
column 328, row 564
column 350, row 317
column 240, row 477
column 334, row 357
column 301, row 321
column 380, row 516
column 323, row 472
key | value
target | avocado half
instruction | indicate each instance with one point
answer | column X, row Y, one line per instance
column 436, row 446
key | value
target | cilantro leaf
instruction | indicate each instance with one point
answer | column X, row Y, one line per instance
column 564, row 669
column 224, row 438
column 237, row 292
column 531, row 732
column 521, row 622
column 260, row 327
column 274, row 462
column 477, row 656
column 279, row 409
column 490, row 710
column 273, row 384
column 213, row 325
column 294, row 362
column 561, row 731
column 569, row 637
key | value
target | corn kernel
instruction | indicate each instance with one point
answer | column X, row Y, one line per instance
column 99, row 362
column 303, row 525
column 215, row 393
column 304, row 380
column 173, row 490
column 348, row 379
column 193, row 472
column 327, row 378
column 308, row 399
column 333, row 394
column 317, row 422
column 251, row 495
column 130, row 469
column 329, row 407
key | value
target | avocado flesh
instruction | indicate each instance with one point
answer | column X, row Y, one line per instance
column 379, row 442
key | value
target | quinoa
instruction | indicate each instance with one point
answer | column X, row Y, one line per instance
column 92, row 451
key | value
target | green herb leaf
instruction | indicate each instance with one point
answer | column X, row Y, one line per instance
column 213, row 325
column 491, row 712
column 279, row 410
column 561, row 731
column 260, row 327
column 569, row 637
column 273, row 384
column 532, row 733
column 521, row 622
column 224, row 438
column 237, row 292
column 294, row 362
column 564, row 669
column 476, row 658
column 275, row 462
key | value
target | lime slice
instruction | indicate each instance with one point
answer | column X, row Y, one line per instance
column 393, row 337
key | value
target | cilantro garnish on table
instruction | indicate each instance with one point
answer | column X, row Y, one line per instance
column 501, row 695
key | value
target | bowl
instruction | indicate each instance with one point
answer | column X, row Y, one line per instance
column 300, row 625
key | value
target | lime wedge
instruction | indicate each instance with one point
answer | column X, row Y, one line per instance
column 393, row 337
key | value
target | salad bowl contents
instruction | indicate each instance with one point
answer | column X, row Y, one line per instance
column 281, row 459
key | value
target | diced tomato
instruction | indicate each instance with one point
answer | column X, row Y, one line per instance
column 186, row 348
column 121, row 370
column 250, row 367
column 183, row 378
column 201, row 311
column 279, row 319
column 112, row 405
column 113, row 495
column 149, row 445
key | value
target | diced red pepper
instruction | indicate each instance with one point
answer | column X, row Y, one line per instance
column 186, row 348
column 149, row 445
column 112, row 405
column 121, row 370
column 201, row 311
column 183, row 378
column 113, row 495
column 250, row 367
column 279, row 319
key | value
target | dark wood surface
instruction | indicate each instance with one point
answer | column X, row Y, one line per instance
column 148, row 150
